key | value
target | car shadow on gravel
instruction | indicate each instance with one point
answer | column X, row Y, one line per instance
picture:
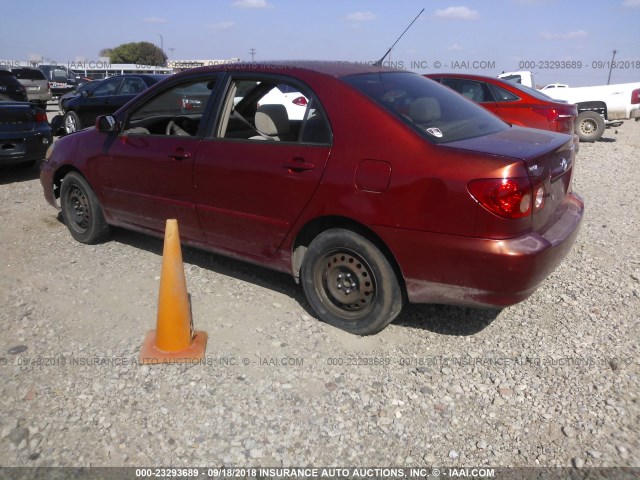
column 440, row 319
column 18, row 173
column 230, row 267
column 447, row 319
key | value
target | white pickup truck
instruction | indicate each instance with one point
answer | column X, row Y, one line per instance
column 599, row 107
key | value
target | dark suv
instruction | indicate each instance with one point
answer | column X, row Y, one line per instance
column 11, row 88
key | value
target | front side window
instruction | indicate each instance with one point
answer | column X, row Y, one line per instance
column 132, row 86
column 272, row 110
column 177, row 110
column 439, row 114
column 108, row 87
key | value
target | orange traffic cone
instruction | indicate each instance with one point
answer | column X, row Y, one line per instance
column 174, row 339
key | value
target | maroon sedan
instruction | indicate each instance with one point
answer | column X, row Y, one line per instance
column 390, row 188
column 514, row 103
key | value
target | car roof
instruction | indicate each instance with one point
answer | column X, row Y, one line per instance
column 469, row 76
column 331, row 68
column 136, row 75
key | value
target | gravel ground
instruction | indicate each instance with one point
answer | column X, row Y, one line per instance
column 552, row 381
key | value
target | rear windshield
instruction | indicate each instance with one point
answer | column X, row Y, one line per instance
column 438, row 113
column 7, row 77
column 28, row 74
column 533, row 92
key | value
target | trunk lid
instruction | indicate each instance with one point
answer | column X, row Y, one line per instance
column 16, row 117
column 548, row 157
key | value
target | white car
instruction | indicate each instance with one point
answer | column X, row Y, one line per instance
column 293, row 100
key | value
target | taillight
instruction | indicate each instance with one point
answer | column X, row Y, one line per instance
column 300, row 101
column 40, row 117
column 635, row 96
column 508, row 197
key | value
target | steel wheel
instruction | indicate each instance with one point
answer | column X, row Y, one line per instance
column 347, row 283
column 81, row 210
column 350, row 283
column 590, row 126
column 78, row 206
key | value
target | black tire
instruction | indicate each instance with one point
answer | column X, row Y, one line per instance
column 71, row 122
column 81, row 210
column 350, row 283
column 590, row 126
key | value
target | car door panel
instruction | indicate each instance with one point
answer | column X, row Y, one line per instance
column 159, row 184
column 248, row 194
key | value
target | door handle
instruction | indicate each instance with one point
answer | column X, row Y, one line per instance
column 298, row 164
column 180, row 154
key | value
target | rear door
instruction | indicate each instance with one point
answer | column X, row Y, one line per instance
column 259, row 169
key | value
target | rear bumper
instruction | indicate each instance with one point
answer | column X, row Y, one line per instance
column 23, row 148
column 481, row 272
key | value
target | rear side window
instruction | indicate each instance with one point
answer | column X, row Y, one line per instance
column 439, row 114
column 28, row 74
column 503, row 95
column 273, row 110
column 472, row 89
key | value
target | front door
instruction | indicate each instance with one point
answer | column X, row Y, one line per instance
column 147, row 174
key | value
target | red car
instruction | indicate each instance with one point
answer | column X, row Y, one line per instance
column 390, row 188
column 514, row 103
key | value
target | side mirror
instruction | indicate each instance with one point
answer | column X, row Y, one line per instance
column 106, row 124
column 85, row 93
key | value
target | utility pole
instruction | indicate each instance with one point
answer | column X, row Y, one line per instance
column 161, row 43
column 611, row 67
column 253, row 53
column 172, row 50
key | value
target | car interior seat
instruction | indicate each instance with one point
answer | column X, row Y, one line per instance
column 473, row 92
column 273, row 122
column 424, row 110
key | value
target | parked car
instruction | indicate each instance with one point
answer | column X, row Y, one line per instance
column 105, row 98
column 35, row 83
column 393, row 187
column 11, row 88
column 599, row 107
column 513, row 102
column 25, row 134
column 61, row 79
column 77, row 90
column 293, row 100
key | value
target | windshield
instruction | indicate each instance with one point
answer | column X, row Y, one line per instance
column 439, row 114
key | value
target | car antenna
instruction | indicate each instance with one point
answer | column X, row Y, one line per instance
column 379, row 62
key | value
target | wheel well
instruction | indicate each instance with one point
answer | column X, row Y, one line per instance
column 314, row 228
column 59, row 175
column 598, row 107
